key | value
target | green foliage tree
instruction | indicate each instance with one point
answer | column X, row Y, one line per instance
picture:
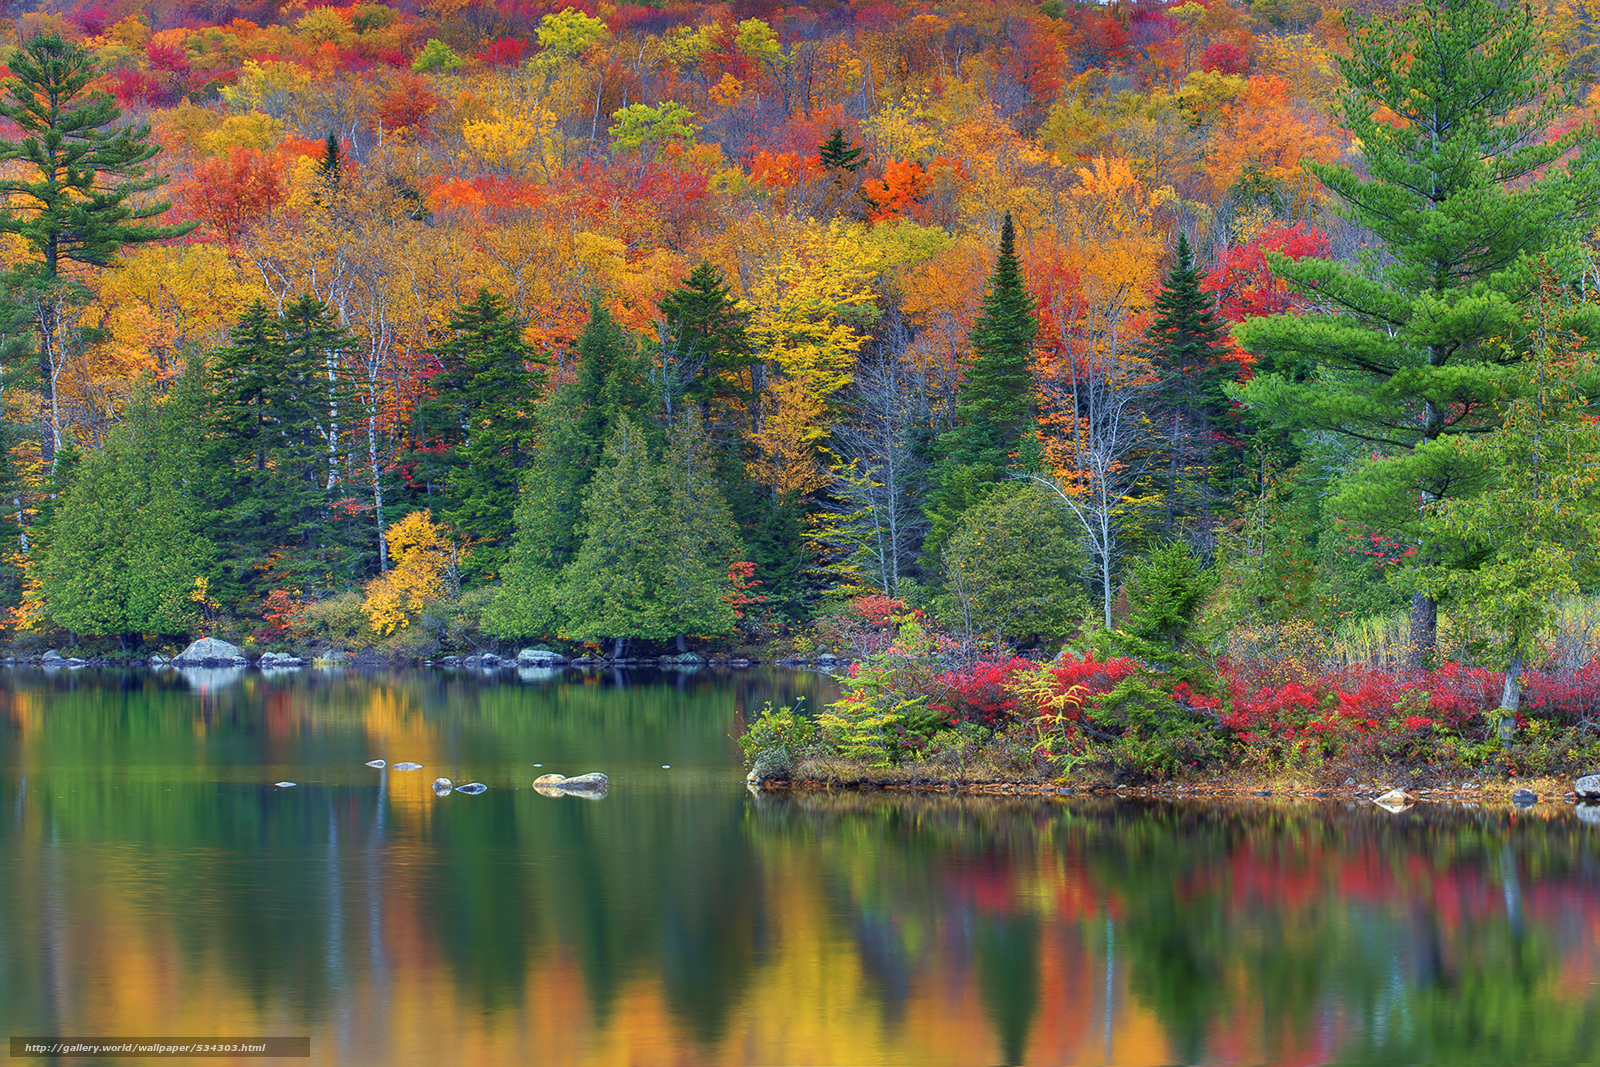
column 75, row 196
column 1013, row 570
column 1531, row 532
column 993, row 410
column 436, row 55
column 573, row 425
column 126, row 546
column 1187, row 344
column 1451, row 103
column 270, row 411
column 705, row 344
column 837, row 153
column 701, row 539
column 476, row 430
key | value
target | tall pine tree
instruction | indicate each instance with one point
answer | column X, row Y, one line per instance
column 994, row 410
column 1187, row 345
column 1452, row 103
column 76, row 195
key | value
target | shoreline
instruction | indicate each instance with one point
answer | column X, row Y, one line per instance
column 1547, row 792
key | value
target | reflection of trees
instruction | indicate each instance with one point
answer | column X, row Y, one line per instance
column 1251, row 932
column 148, row 793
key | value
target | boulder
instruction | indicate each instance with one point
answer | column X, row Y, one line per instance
column 159, row 661
column 333, row 657
column 593, row 785
column 827, row 658
column 1395, row 800
column 278, row 661
column 209, row 652
column 539, row 657
column 683, row 659
column 764, row 772
column 1524, row 798
column 1588, row 787
column 486, row 661
column 450, row 661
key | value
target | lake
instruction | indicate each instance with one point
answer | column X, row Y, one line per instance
column 157, row 884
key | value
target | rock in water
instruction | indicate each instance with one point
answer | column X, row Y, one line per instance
column 209, row 652
column 441, row 787
column 408, row 766
column 377, row 764
column 1588, row 787
column 593, row 785
column 284, row 785
column 1395, row 800
column 1524, row 798
column 472, row 789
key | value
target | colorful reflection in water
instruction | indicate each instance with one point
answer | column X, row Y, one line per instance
column 156, row 883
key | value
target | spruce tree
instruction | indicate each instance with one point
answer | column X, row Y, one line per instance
column 271, row 415
column 700, row 538
column 573, row 425
column 615, row 587
column 993, row 411
column 837, row 153
column 479, row 425
column 1187, row 345
column 706, row 338
column 1465, row 191
column 76, row 194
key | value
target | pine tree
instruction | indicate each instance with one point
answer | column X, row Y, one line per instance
column 1187, row 345
column 573, row 425
column 127, row 545
column 706, row 339
column 993, row 410
column 271, row 419
column 479, row 425
column 615, row 586
column 837, row 153
column 76, row 196
column 1451, row 104
column 332, row 160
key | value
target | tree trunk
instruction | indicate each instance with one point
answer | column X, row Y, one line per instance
column 619, row 648
column 1510, row 699
column 1424, row 631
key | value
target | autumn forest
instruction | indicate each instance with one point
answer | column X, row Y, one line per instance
column 1242, row 345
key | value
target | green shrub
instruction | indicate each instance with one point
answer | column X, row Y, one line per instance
column 777, row 737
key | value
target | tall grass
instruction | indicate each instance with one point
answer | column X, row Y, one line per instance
column 1384, row 641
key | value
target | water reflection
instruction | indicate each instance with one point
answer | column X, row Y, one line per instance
column 156, row 882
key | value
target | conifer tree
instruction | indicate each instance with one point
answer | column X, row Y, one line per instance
column 993, row 410
column 615, row 586
column 75, row 196
column 332, row 159
column 573, row 425
column 271, row 417
column 127, row 545
column 1187, row 344
column 706, row 338
column 701, row 539
column 478, row 426
column 1464, row 189
column 837, row 153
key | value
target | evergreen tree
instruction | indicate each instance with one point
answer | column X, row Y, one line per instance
column 77, row 195
column 479, row 425
column 573, row 425
column 126, row 546
column 706, row 339
column 615, row 586
column 1451, row 103
column 993, row 409
column 701, row 539
column 1187, row 344
column 837, row 153
column 271, row 416
column 332, row 159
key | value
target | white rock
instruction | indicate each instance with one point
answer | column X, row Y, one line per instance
column 376, row 763
column 408, row 766
column 209, row 652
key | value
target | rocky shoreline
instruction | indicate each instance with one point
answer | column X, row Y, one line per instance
column 212, row 653
column 1583, row 793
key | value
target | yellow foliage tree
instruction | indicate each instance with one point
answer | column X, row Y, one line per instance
column 424, row 570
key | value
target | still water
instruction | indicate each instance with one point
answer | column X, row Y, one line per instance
column 155, row 883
